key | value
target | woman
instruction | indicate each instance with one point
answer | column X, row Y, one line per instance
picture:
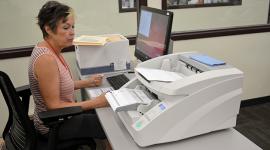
column 50, row 78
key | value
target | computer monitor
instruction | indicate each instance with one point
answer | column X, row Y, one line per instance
column 153, row 34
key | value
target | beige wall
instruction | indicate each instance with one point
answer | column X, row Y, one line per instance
column 251, row 12
column 18, row 18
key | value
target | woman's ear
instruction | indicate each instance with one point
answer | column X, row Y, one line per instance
column 48, row 30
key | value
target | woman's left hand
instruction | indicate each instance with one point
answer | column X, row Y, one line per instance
column 95, row 80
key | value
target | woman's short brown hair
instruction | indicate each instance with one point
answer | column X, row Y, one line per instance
column 50, row 13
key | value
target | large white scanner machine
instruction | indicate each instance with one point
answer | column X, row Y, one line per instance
column 206, row 99
column 110, row 57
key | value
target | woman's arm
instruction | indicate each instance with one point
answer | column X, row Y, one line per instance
column 94, row 80
column 50, row 89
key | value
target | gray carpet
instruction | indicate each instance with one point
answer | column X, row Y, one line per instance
column 254, row 123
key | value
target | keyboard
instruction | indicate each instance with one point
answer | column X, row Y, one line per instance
column 117, row 81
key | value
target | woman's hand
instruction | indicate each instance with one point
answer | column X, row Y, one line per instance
column 95, row 80
column 102, row 101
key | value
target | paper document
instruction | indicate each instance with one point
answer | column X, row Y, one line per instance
column 158, row 75
column 114, row 38
column 96, row 40
column 90, row 40
column 126, row 99
column 96, row 92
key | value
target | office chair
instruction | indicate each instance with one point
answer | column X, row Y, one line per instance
column 20, row 133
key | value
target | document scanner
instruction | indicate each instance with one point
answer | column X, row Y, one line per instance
column 206, row 99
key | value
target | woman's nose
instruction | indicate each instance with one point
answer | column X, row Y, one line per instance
column 72, row 32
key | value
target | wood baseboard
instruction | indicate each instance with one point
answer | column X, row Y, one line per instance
column 255, row 101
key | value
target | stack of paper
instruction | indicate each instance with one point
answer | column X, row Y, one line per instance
column 114, row 38
column 126, row 99
column 90, row 40
column 158, row 75
column 96, row 40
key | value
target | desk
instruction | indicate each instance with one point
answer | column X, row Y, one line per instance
column 120, row 139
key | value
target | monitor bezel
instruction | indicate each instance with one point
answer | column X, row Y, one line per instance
column 138, row 53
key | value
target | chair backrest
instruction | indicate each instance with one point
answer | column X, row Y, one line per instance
column 19, row 132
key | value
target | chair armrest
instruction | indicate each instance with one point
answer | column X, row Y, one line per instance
column 58, row 115
column 23, row 90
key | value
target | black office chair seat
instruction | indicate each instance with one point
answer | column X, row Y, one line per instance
column 42, row 144
column 19, row 132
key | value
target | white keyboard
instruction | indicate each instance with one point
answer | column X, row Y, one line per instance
column 96, row 92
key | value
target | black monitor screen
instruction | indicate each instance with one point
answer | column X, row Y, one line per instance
column 154, row 31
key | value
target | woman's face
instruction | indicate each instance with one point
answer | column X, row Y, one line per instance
column 64, row 34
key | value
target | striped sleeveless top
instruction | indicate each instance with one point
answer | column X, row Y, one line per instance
column 66, row 85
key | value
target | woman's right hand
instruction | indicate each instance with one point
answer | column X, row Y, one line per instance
column 102, row 101
column 95, row 80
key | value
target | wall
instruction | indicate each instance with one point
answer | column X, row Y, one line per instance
column 92, row 17
column 251, row 12
column 101, row 16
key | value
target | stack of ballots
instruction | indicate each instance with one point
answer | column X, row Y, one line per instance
column 102, row 53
